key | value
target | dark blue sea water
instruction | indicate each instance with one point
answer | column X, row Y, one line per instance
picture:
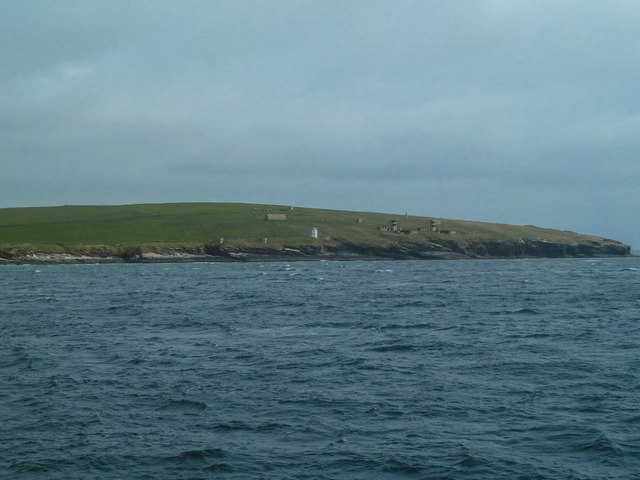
column 500, row 369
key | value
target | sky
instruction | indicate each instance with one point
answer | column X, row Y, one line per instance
column 509, row 111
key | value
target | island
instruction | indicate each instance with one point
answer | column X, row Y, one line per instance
column 239, row 232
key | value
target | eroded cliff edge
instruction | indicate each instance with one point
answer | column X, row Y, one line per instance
column 339, row 250
column 447, row 250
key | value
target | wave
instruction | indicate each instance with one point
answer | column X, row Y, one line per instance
column 183, row 405
column 570, row 438
column 396, row 348
column 205, row 460
column 401, row 467
column 17, row 356
column 407, row 326
column 516, row 311
column 235, row 425
column 200, row 455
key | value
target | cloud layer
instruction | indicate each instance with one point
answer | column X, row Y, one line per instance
column 520, row 112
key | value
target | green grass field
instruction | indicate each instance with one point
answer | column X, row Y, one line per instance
column 184, row 225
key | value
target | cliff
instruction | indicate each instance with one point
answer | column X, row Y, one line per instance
column 404, row 250
column 344, row 251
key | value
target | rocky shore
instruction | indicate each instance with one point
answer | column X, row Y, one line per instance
column 448, row 250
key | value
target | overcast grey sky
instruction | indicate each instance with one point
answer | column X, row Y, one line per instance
column 509, row 111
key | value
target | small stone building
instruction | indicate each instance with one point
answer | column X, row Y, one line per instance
column 275, row 216
column 392, row 227
column 432, row 227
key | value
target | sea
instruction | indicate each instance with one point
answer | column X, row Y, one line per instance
column 469, row 369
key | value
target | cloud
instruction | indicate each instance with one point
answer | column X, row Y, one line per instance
column 515, row 106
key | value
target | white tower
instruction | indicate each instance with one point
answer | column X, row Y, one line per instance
column 314, row 232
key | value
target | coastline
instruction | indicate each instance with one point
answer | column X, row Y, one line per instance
column 341, row 252
column 238, row 232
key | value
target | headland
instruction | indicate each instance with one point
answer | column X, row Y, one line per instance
column 237, row 232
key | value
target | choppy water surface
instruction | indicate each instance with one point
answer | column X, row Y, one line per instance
column 524, row 369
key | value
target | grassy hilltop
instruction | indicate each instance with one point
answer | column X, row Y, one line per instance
column 189, row 227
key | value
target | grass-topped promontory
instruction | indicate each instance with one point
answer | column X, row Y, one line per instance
column 190, row 226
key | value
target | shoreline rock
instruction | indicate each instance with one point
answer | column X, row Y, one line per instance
column 449, row 250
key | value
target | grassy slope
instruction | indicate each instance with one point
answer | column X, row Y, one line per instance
column 192, row 224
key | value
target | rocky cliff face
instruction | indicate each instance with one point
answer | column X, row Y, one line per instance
column 402, row 250
column 536, row 248
column 427, row 251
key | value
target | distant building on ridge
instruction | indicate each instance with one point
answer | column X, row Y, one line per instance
column 275, row 216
